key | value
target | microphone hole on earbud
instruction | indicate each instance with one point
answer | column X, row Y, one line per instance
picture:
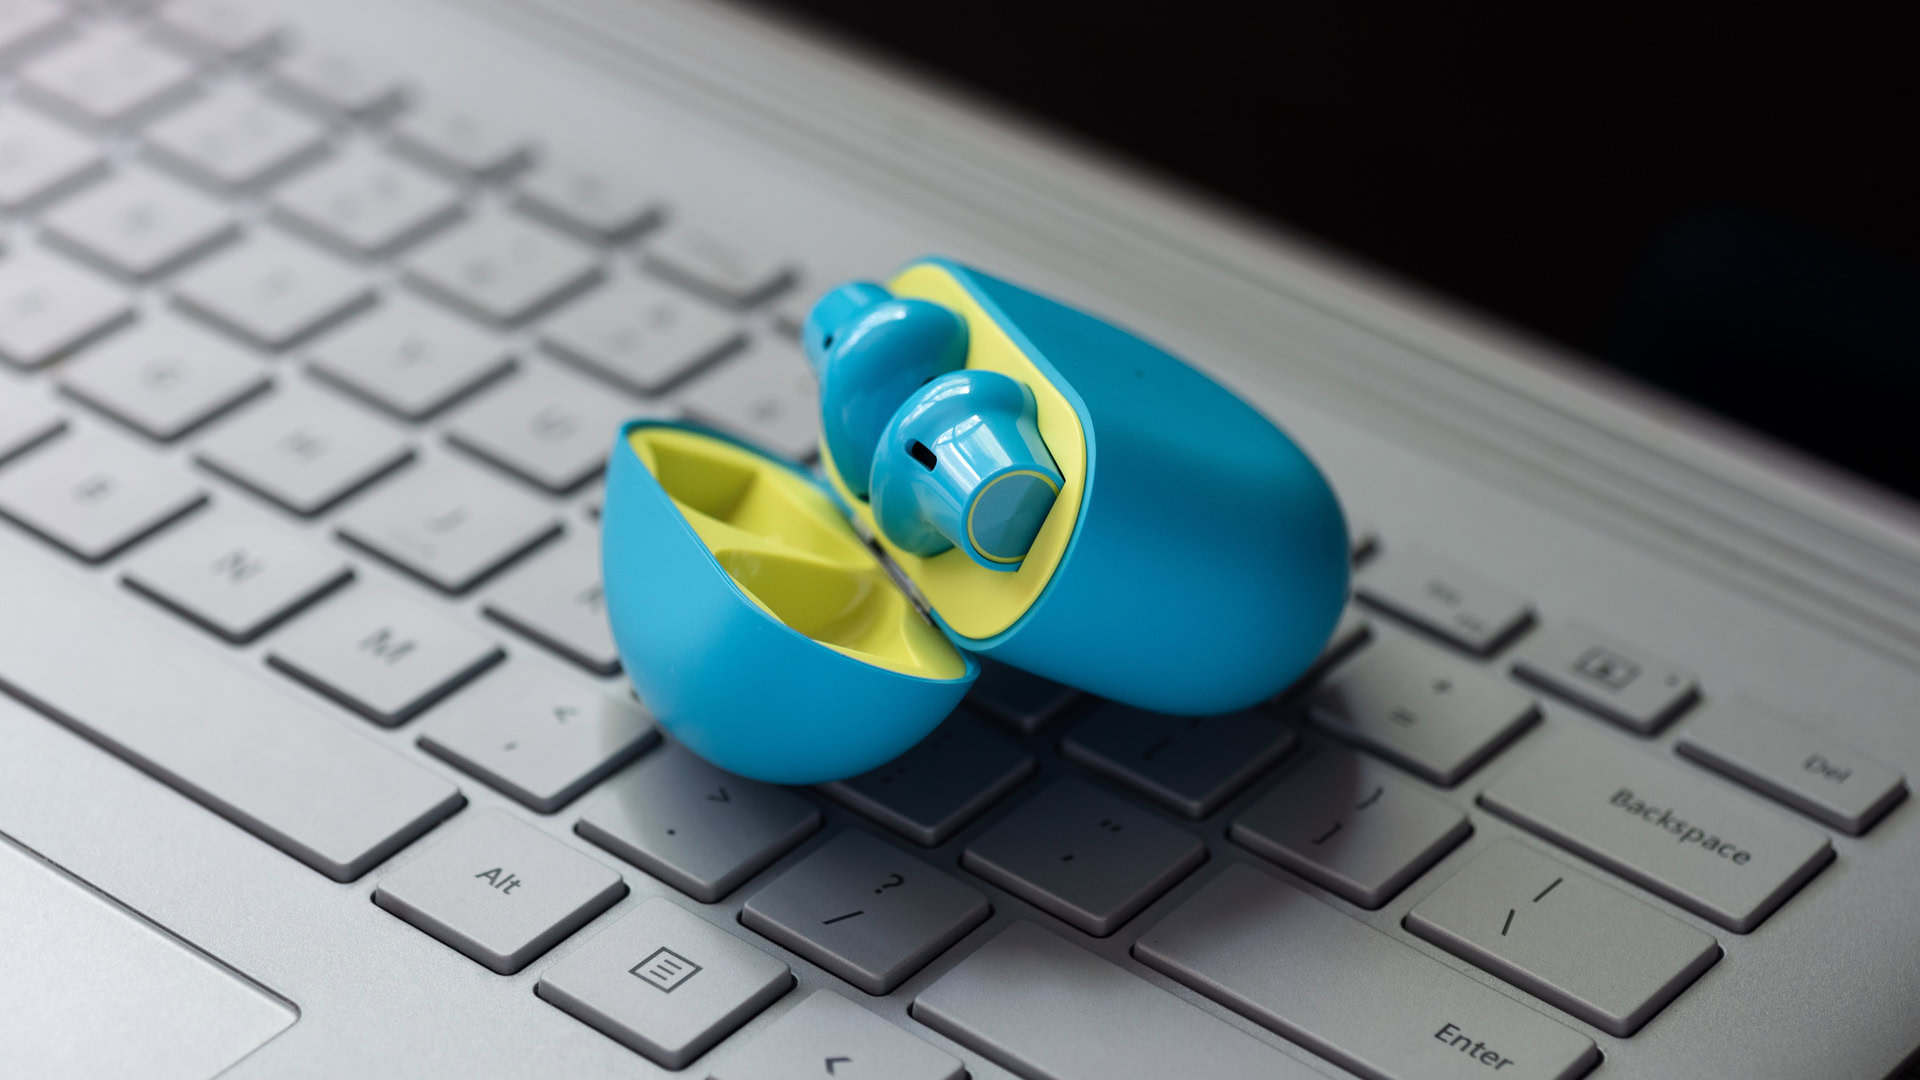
column 922, row 455
column 827, row 342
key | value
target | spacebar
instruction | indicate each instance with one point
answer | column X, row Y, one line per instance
column 1349, row 992
column 203, row 723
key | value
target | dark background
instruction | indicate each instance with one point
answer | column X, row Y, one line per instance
column 1719, row 201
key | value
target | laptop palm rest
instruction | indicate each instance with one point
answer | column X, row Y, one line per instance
column 93, row 989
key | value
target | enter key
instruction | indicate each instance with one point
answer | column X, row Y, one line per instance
column 1565, row 937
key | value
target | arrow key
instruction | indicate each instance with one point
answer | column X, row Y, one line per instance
column 829, row 1036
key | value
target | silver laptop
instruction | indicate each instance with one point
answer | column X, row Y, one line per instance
column 316, row 758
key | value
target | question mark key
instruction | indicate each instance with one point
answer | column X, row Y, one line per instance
column 827, row 909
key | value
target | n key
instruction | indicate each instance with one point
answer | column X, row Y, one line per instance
column 236, row 574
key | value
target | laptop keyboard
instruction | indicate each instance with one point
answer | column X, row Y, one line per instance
column 317, row 363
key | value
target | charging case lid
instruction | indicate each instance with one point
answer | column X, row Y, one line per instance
column 1196, row 561
column 755, row 624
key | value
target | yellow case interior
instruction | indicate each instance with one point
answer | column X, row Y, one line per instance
column 788, row 547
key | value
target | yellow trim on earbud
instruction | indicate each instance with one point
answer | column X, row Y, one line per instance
column 977, row 601
column 975, row 541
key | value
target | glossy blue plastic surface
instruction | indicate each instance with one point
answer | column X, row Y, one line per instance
column 729, row 680
column 870, row 352
column 1210, row 561
column 1206, row 570
column 962, row 465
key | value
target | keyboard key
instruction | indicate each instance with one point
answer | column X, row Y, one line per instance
column 1363, row 540
column 768, row 396
column 541, row 740
column 1351, row 632
column 140, row 225
column 303, row 451
column 273, row 291
column 409, row 358
column 50, row 307
column 1422, row 709
column 501, row 267
column 1806, row 769
column 235, row 138
column 827, row 1028
column 1560, row 935
column 1348, row 992
column 367, row 203
column 1701, row 846
column 499, row 891
column 1088, row 857
column 1189, row 764
column 1600, row 673
column 1022, row 701
column 94, row 498
column 664, row 983
column 230, row 29
column 722, row 270
column 790, row 309
column 1350, row 826
column 109, row 77
column 593, row 204
column 555, row 598
column 215, row 731
column 40, row 161
column 235, row 574
column 25, row 423
column 949, row 778
column 1455, row 605
column 27, row 24
column 865, row 911
column 164, row 378
column 641, row 335
column 460, row 142
column 1005, row 1003
column 337, row 82
column 547, row 427
column 698, row 829
column 448, row 524
column 382, row 655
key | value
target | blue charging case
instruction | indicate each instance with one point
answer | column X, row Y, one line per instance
column 1195, row 561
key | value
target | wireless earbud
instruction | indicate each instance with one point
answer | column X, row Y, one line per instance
column 870, row 351
column 961, row 465
column 949, row 457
